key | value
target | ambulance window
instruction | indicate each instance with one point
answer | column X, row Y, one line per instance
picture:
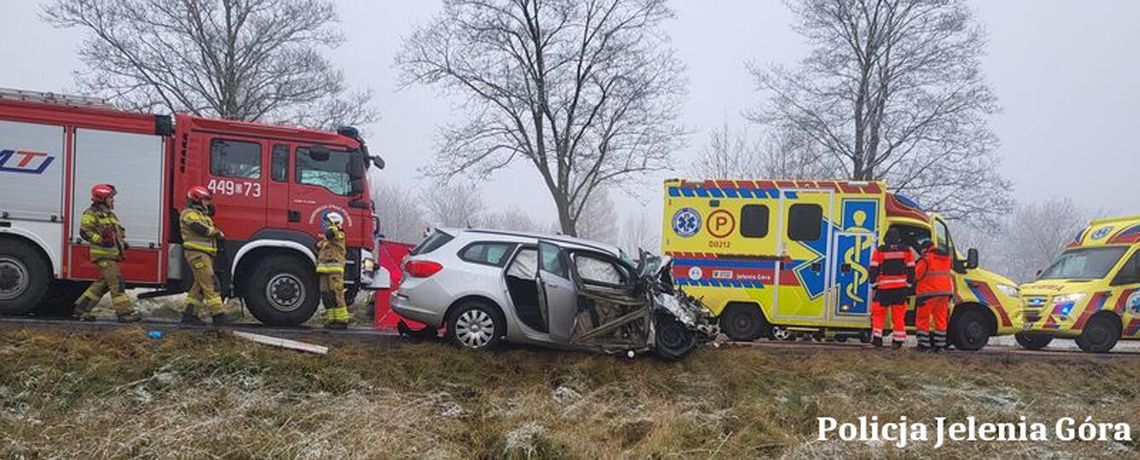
column 804, row 222
column 279, row 169
column 235, row 159
column 754, row 221
column 1130, row 272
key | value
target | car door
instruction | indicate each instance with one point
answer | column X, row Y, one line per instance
column 556, row 290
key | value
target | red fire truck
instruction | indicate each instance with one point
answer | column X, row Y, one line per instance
column 272, row 186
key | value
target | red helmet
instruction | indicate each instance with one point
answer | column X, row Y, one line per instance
column 101, row 192
column 199, row 193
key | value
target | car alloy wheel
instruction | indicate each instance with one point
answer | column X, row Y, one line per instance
column 474, row 328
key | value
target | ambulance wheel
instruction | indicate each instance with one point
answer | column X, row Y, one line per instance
column 969, row 330
column 24, row 277
column 282, row 291
column 1099, row 335
column 1032, row 341
column 743, row 322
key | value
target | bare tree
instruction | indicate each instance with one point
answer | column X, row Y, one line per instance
column 599, row 219
column 894, row 90
column 585, row 91
column 730, row 153
column 250, row 60
column 782, row 154
column 455, row 205
column 639, row 231
column 400, row 216
column 514, row 218
column 1028, row 239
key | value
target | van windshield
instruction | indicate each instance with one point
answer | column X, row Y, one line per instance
column 1083, row 263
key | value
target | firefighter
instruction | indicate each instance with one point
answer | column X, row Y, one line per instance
column 330, row 271
column 933, row 293
column 200, row 241
column 100, row 227
column 892, row 275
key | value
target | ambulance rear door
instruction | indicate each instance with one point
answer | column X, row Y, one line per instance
column 849, row 294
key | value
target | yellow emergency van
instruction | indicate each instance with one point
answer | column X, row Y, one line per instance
column 781, row 258
column 1091, row 292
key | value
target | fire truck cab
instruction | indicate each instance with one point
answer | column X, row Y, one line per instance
column 781, row 258
column 272, row 186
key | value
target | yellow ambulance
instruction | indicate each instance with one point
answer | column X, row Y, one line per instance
column 782, row 258
column 1091, row 292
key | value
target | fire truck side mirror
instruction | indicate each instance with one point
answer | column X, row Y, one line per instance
column 972, row 259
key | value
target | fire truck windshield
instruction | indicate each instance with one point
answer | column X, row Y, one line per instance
column 331, row 172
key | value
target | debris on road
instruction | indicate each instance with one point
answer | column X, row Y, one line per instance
column 283, row 343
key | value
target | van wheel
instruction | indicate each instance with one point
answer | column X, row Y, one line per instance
column 476, row 324
column 59, row 301
column 1099, row 335
column 24, row 277
column 282, row 291
column 743, row 322
column 673, row 340
column 970, row 331
column 1032, row 341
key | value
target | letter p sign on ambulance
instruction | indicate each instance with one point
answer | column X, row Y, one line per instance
column 23, row 161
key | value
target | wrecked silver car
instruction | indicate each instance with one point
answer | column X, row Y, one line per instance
column 485, row 286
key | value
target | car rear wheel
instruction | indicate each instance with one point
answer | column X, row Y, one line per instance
column 1032, row 341
column 1100, row 335
column 970, row 331
column 672, row 340
column 282, row 291
column 24, row 277
column 743, row 322
column 476, row 324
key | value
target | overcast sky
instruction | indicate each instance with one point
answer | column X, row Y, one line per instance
column 1066, row 73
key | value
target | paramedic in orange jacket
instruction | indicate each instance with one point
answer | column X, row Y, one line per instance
column 892, row 275
column 932, row 296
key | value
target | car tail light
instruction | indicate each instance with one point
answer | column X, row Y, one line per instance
column 422, row 268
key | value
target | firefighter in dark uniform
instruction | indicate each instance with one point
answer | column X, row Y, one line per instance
column 892, row 275
column 100, row 227
column 932, row 296
column 331, row 253
column 200, row 240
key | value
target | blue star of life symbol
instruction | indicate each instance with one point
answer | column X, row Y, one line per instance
column 1101, row 233
column 686, row 222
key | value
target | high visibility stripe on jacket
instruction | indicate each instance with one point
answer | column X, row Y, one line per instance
column 198, row 230
column 934, row 276
column 892, row 267
column 100, row 227
column 331, row 251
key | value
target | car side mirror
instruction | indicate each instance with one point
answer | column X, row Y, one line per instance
column 972, row 259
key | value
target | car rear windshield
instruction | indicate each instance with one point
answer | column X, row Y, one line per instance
column 433, row 242
column 1083, row 263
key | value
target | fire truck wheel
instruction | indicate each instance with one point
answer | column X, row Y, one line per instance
column 59, row 301
column 282, row 291
column 1099, row 335
column 24, row 277
column 969, row 331
column 743, row 322
column 1032, row 341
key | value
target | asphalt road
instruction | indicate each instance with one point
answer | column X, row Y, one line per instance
column 1001, row 348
